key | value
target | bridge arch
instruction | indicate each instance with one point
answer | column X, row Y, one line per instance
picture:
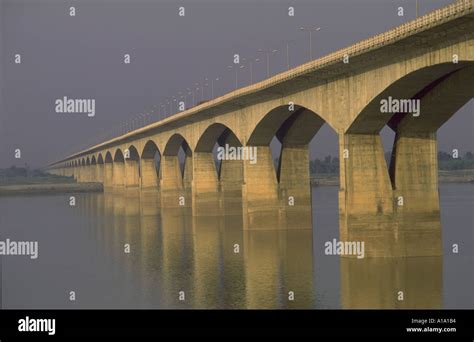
column 413, row 85
column 293, row 130
column 216, row 168
column 275, row 186
column 178, row 147
column 108, row 169
column 176, row 170
column 150, row 165
column 118, row 168
column 132, row 167
column 108, row 157
column 93, row 160
column 438, row 91
column 100, row 159
column 216, row 139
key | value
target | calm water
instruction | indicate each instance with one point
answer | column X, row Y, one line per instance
column 81, row 249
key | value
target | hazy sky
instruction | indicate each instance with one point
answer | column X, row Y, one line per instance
column 82, row 57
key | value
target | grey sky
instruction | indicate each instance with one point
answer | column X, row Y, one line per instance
column 82, row 57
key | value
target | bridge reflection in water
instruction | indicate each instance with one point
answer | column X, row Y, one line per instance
column 217, row 264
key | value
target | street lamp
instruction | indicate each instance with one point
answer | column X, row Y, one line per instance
column 234, row 67
column 268, row 53
column 191, row 93
column 288, row 42
column 175, row 100
column 250, row 63
column 310, row 30
column 163, row 110
column 168, row 102
column 212, row 86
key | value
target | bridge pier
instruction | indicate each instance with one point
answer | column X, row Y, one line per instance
column 118, row 168
column 366, row 206
column 149, row 177
column 132, row 177
column 172, row 184
column 108, row 175
column 230, row 186
column 295, row 187
column 99, row 173
column 74, row 173
column 81, row 174
column 402, row 220
column 205, row 184
column 414, row 173
column 260, row 201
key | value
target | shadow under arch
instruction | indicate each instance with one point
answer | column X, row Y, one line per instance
column 286, row 190
column 99, row 168
column 150, row 165
column 414, row 85
column 108, row 170
column 402, row 200
column 118, row 169
column 176, row 172
column 132, row 167
column 218, row 175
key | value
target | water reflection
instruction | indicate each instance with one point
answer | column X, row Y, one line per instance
column 217, row 264
column 386, row 283
column 210, row 258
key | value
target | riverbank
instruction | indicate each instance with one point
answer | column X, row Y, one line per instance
column 49, row 188
column 453, row 176
column 456, row 176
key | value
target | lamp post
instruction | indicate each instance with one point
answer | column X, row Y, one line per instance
column 163, row 110
column 310, row 30
column 268, row 53
column 168, row 102
column 191, row 94
column 234, row 67
column 197, row 84
column 250, row 64
column 288, row 42
column 174, row 99
column 212, row 86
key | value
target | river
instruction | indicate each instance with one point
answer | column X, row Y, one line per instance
column 120, row 251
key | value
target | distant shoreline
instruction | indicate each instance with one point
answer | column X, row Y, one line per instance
column 453, row 176
column 457, row 176
column 49, row 188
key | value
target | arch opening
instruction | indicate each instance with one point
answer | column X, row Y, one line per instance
column 216, row 143
column 132, row 167
column 178, row 149
column 150, row 165
column 280, row 179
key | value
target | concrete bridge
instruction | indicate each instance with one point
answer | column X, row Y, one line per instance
column 395, row 209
